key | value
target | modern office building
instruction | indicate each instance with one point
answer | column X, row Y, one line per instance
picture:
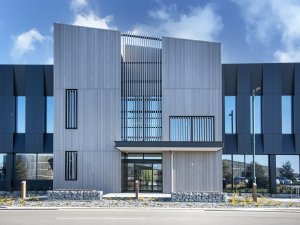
column 159, row 110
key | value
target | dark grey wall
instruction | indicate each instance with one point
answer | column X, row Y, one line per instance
column 35, row 82
column 276, row 79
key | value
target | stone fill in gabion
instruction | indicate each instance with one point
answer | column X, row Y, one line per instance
column 214, row 197
column 75, row 195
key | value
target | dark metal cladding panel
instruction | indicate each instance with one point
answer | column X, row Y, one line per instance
column 297, row 79
column 19, row 143
column 267, row 79
column 230, row 144
column 6, row 143
column 268, row 144
column 35, row 80
column 288, row 78
column 296, row 118
column 297, row 143
column 35, row 114
column 243, row 79
column 48, row 143
column 277, row 78
column 259, row 147
column 288, row 144
column 7, row 113
column 34, row 143
column 6, row 80
column 256, row 76
column 49, row 80
column 20, row 78
column 272, row 173
column 244, row 143
column 230, row 79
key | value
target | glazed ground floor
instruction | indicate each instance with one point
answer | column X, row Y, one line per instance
column 163, row 172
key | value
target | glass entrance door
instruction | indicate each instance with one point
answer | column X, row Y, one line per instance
column 144, row 174
column 146, row 168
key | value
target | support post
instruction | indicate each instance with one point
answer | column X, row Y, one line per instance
column 23, row 190
column 137, row 189
column 172, row 172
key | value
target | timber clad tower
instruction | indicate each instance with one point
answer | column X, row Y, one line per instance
column 135, row 107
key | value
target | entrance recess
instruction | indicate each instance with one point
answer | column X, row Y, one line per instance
column 146, row 168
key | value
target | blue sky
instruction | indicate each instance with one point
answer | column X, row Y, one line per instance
column 250, row 31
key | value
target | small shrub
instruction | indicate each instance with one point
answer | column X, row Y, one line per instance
column 233, row 200
column 21, row 201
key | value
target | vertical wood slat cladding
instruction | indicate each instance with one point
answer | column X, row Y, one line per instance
column 191, row 81
column 141, row 88
column 88, row 60
column 192, row 86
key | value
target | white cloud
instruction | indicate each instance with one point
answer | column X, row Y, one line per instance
column 50, row 61
column 270, row 19
column 77, row 4
column 26, row 42
column 90, row 19
column 85, row 16
column 200, row 23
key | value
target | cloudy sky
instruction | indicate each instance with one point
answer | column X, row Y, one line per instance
column 250, row 31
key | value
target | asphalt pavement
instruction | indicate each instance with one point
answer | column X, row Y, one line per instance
column 149, row 216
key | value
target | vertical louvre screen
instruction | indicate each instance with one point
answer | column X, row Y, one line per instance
column 141, row 88
column 71, row 165
column 192, row 128
column 71, row 109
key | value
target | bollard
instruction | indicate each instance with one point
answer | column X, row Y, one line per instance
column 137, row 187
column 23, row 190
column 254, row 195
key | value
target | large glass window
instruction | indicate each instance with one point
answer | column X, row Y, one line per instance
column 192, row 128
column 49, row 114
column 238, row 173
column 230, row 114
column 261, row 172
column 33, row 166
column 141, row 119
column 227, row 173
column 287, row 172
column 20, row 114
column 257, row 114
column 25, row 167
column 287, row 109
column 2, row 166
column 45, row 167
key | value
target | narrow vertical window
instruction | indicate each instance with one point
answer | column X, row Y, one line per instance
column 49, row 114
column 230, row 114
column 286, row 109
column 257, row 114
column 71, row 165
column 20, row 114
column 71, row 109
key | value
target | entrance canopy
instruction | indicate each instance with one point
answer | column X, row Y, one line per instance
column 161, row 146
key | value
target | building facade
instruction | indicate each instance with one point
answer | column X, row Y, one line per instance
column 155, row 109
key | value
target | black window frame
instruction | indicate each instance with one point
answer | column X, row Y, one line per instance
column 68, row 167
column 69, row 124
